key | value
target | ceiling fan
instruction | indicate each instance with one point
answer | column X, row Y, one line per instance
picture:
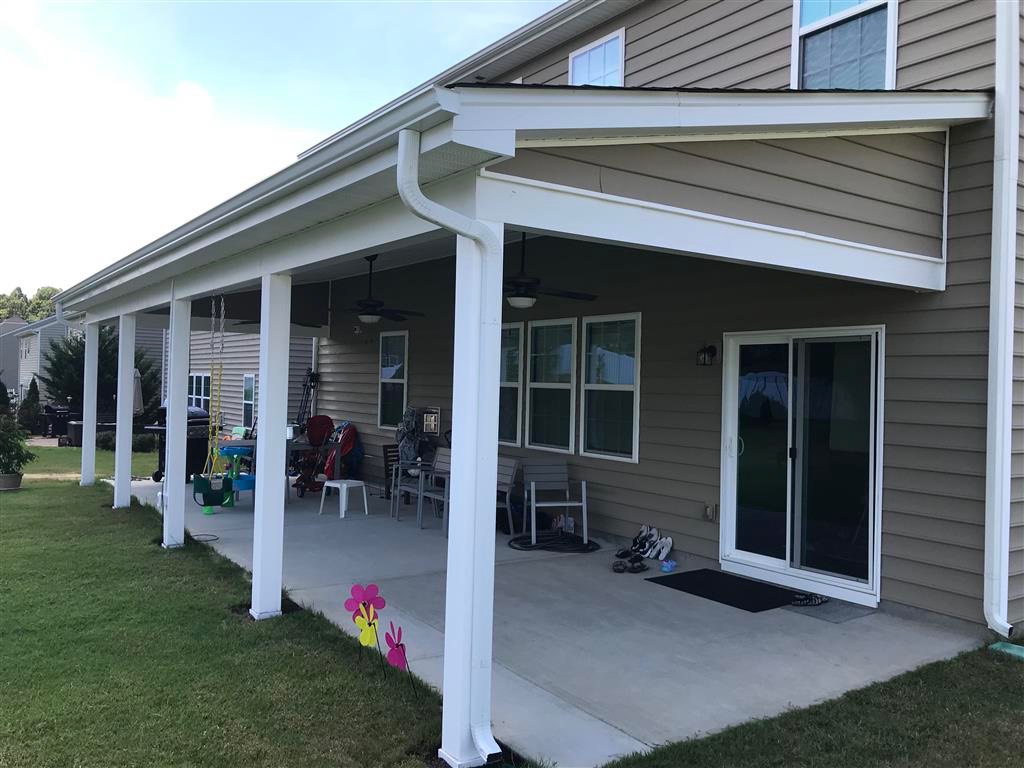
column 371, row 310
column 521, row 290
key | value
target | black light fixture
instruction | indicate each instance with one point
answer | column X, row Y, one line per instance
column 706, row 354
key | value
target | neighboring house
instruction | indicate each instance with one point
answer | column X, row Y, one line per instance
column 10, row 348
column 240, row 374
column 34, row 341
column 825, row 192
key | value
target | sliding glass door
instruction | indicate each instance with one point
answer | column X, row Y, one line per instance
column 800, row 424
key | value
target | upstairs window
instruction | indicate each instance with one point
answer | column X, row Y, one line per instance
column 844, row 44
column 600, row 62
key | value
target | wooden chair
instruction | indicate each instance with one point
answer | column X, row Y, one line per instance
column 391, row 457
column 547, row 485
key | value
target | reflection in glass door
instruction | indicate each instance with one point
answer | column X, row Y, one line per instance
column 799, row 455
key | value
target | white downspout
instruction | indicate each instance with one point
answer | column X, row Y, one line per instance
column 1005, row 172
column 466, row 738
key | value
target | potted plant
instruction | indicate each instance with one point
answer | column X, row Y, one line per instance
column 14, row 454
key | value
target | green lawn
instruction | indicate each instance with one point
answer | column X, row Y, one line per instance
column 69, row 460
column 114, row 652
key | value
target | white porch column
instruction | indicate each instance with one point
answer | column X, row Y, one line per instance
column 125, row 408
column 177, row 423
column 272, row 415
column 92, row 344
column 469, row 601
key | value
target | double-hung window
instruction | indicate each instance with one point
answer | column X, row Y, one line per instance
column 611, row 387
column 510, row 396
column 199, row 391
column 248, row 399
column 844, row 44
column 392, row 378
column 600, row 62
column 551, row 385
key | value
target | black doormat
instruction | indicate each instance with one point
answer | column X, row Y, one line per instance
column 725, row 588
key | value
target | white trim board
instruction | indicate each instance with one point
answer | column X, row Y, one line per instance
column 557, row 209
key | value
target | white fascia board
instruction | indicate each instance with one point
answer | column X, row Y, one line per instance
column 373, row 146
column 538, row 113
column 555, row 209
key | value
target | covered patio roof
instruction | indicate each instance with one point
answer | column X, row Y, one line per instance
column 339, row 200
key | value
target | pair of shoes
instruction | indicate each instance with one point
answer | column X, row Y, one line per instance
column 667, row 566
column 659, row 549
column 808, row 600
column 621, row 566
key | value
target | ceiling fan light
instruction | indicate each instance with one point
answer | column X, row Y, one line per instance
column 521, row 302
column 369, row 319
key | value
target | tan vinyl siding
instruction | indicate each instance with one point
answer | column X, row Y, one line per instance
column 946, row 44
column 694, row 43
column 242, row 356
column 882, row 190
column 934, row 456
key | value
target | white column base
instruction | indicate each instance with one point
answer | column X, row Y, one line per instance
column 172, row 546
column 261, row 615
column 456, row 763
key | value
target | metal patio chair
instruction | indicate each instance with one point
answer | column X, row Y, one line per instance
column 547, row 485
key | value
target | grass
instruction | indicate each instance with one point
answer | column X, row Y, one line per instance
column 117, row 653
column 50, row 461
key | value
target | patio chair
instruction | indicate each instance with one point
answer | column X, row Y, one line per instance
column 408, row 478
column 508, row 468
column 547, row 485
column 441, row 471
column 391, row 457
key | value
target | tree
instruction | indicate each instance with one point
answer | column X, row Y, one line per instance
column 5, row 400
column 17, row 303
column 64, row 374
column 28, row 409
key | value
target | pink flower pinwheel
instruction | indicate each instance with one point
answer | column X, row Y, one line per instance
column 396, row 654
column 364, row 596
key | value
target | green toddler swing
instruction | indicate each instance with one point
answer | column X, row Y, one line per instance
column 213, row 488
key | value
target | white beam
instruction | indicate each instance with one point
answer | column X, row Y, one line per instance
column 272, row 414
column 125, row 411
column 177, row 423
column 92, row 345
column 469, row 599
column 557, row 209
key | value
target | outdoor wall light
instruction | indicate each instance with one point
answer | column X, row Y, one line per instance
column 521, row 302
column 706, row 354
column 369, row 319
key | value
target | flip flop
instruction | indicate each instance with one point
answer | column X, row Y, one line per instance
column 619, row 566
column 638, row 567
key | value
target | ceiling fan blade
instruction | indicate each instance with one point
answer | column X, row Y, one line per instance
column 576, row 295
column 409, row 312
column 390, row 314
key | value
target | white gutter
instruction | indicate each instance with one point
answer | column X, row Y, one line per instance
column 469, row 599
column 1005, row 172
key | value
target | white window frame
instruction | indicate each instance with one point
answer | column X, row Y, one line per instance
column 799, row 33
column 249, row 402
column 634, row 388
column 191, row 398
column 571, row 386
column 404, row 381
column 619, row 33
column 521, row 326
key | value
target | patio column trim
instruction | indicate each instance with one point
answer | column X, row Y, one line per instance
column 125, row 411
column 89, row 377
column 272, row 415
column 177, row 423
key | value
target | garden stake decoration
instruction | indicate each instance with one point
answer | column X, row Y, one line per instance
column 396, row 655
column 365, row 603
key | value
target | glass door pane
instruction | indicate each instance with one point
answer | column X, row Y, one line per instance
column 832, row 434
column 762, row 450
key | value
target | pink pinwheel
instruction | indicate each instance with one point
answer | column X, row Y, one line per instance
column 364, row 596
column 396, row 656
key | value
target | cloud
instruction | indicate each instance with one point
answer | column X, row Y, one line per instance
column 96, row 164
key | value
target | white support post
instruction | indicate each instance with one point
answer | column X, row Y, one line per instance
column 469, row 601
column 272, row 416
column 177, row 423
column 125, row 411
column 92, row 344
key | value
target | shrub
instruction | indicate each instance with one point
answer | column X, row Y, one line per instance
column 105, row 441
column 14, row 454
column 144, row 443
column 5, row 400
column 29, row 409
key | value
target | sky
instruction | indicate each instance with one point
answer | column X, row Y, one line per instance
column 123, row 120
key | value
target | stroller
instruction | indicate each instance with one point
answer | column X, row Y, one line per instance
column 310, row 464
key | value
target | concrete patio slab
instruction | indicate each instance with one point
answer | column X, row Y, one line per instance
column 590, row 664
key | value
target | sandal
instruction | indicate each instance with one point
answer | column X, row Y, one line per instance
column 639, row 567
column 619, row 566
column 661, row 549
column 808, row 600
